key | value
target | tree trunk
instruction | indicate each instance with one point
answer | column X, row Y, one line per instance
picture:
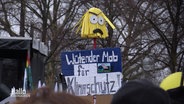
column 22, row 18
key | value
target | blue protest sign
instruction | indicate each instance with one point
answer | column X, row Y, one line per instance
column 90, row 62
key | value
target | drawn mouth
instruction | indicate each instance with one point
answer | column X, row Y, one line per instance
column 98, row 31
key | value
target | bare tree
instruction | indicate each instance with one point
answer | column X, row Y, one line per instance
column 149, row 32
column 130, row 34
column 148, row 29
column 167, row 20
column 8, row 17
column 22, row 17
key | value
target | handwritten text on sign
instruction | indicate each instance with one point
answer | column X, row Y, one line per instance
column 106, row 83
column 79, row 59
column 85, row 69
column 109, row 58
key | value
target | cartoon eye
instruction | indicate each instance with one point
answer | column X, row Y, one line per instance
column 93, row 19
column 101, row 20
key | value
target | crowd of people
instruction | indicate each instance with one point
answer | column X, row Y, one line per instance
column 47, row 96
column 132, row 92
column 145, row 92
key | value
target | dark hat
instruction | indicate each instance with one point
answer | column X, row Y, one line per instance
column 140, row 92
column 177, row 95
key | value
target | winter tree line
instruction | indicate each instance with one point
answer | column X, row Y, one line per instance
column 150, row 33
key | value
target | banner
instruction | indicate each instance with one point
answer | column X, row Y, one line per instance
column 91, row 62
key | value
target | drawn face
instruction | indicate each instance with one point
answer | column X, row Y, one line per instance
column 98, row 25
column 94, row 24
